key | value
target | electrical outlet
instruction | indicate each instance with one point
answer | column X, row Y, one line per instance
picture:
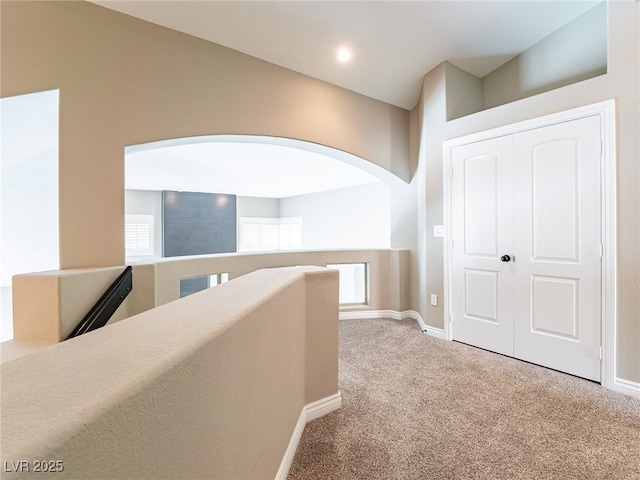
column 434, row 300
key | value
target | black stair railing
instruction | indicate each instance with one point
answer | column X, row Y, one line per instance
column 104, row 308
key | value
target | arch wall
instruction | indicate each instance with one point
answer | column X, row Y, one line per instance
column 127, row 82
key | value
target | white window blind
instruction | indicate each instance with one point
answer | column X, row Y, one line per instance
column 138, row 235
column 250, row 234
column 267, row 233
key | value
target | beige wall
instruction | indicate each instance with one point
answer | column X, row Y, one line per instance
column 575, row 52
column 388, row 267
column 124, row 82
column 431, row 119
column 194, row 389
column 49, row 305
column 621, row 82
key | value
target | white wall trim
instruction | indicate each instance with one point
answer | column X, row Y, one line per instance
column 606, row 111
column 609, row 166
column 309, row 412
column 322, row 407
column 627, row 387
column 395, row 315
column 289, row 453
column 352, row 315
column 434, row 332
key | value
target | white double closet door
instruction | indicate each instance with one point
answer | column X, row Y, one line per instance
column 526, row 256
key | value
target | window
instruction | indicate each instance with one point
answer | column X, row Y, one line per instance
column 265, row 233
column 138, row 235
column 191, row 285
column 354, row 283
column 29, row 230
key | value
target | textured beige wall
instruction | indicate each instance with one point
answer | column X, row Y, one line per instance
column 124, row 82
column 321, row 335
column 621, row 82
column 49, row 305
column 389, row 271
column 194, row 389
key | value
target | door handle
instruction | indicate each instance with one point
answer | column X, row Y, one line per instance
column 505, row 258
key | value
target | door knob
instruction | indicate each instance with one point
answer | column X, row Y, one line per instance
column 505, row 258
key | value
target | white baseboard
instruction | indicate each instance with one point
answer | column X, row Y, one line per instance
column 627, row 387
column 395, row 315
column 309, row 412
column 322, row 407
column 353, row 315
column 285, row 465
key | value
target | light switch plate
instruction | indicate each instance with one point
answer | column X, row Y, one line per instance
column 438, row 230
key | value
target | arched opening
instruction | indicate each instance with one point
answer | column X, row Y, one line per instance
column 256, row 188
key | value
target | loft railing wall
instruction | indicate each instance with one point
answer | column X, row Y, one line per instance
column 48, row 305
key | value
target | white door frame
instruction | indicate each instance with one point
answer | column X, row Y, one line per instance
column 606, row 111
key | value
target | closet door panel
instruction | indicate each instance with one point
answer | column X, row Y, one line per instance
column 482, row 229
column 557, row 241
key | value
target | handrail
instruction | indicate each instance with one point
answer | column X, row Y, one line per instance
column 104, row 308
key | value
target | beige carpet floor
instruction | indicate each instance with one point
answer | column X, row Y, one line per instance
column 416, row 407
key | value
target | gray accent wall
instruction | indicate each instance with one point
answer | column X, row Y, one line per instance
column 191, row 285
column 197, row 223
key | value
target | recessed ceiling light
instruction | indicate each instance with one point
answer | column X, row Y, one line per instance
column 344, row 55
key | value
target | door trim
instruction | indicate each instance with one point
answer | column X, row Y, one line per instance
column 608, row 161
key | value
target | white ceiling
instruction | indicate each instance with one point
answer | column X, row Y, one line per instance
column 245, row 169
column 394, row 43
